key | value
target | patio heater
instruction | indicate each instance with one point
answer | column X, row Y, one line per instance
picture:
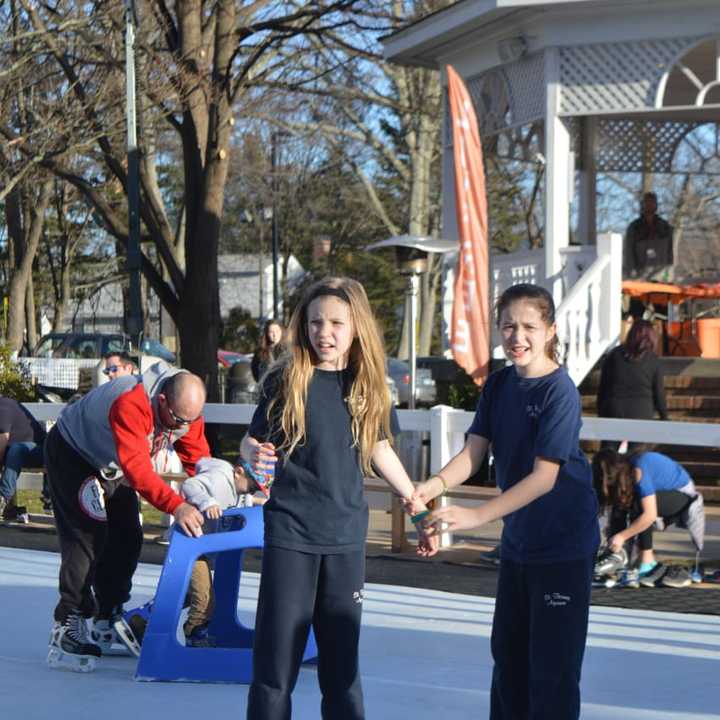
column 411, row 256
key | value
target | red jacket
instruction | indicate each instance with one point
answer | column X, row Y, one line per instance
column 138, row 438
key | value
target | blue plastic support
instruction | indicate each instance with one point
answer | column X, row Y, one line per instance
column 163, row 658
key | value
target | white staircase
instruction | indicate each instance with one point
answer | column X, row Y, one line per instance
column 589, row 315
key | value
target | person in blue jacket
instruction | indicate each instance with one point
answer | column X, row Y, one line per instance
column 529, row 415
column 637, row 491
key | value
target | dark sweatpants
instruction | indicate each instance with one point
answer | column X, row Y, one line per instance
column 298, row 590
column 96, row 554
column 670, row 506
column 538, row 640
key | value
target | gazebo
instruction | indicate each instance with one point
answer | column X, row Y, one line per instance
column 589, row 86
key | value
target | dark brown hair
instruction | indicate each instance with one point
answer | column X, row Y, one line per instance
column 542, row 300
column 269, row 353
column 613, row 479
column 641, row 338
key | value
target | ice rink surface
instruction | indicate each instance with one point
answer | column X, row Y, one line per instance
column 424, row 655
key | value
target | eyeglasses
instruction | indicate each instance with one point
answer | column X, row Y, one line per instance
column 177, row 419
column 110, row 370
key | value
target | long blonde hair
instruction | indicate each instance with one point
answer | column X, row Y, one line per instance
column 369, row 398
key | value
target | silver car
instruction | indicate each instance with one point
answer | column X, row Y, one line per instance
column 425, row 389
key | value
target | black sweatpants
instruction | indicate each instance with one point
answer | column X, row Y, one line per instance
column 670, row 506
column 538, row 640
column 299, row 590
column 99, row 549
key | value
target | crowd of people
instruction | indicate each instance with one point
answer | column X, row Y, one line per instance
column 323, row 421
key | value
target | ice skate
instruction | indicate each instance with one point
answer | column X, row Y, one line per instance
column 70, row 647
column 115, row 636
column 138, row 619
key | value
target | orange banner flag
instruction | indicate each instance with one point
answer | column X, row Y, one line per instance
column 470, row 330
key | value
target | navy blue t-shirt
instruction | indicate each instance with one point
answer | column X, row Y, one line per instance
column 317, row 502
column 529, row 418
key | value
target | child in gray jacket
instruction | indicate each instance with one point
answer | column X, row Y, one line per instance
column 216, row 486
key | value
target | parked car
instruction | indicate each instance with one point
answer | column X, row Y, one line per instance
column 425, row 390
column 80, row 346
column 227, row 358
column 241, row 386
column 156, row 348
column 90, row 346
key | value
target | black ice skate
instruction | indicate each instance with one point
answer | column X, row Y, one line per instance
column 70, row 647
column 114, row 635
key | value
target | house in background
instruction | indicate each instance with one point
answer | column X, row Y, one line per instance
column 244, row 280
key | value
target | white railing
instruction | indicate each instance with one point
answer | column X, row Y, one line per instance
column 447, row 427
column 589, row 315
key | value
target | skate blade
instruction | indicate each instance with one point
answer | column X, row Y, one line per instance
column 59, row 660
column 127, row 636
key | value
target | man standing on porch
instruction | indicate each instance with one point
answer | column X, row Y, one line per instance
column 648, row 249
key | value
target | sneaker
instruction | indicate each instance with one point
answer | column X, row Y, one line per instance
column 630, row 579
column 47, row 504
column 114, row 635
column 676, row 577
column 652, row 576
column 70, row 647
column 16, row 514
column 491, row 556
column 199, row 638
column 609, row 562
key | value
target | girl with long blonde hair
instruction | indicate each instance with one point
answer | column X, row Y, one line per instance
column 323, row 422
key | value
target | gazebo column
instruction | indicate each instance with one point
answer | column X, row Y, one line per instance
column 557, row 172
column 587, row 214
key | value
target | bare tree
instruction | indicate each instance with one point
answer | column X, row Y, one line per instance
column 198, row 61
column 385, row 121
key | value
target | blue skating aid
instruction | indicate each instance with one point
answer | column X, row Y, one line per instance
column 162, row 657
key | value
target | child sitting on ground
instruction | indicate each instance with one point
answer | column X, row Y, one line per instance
column 215, row 487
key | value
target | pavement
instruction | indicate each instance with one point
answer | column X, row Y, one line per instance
column 458, row 568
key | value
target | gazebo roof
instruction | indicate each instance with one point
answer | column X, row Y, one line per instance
column 423, row 41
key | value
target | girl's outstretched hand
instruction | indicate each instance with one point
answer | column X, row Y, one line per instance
column 453, row 517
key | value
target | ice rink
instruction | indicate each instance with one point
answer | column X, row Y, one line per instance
column 425, row 655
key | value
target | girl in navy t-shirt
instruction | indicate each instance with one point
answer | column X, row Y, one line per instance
column 323, row 419
column 529, row 414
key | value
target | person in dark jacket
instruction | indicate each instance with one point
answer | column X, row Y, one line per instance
column 271, row 346
column 631, row 379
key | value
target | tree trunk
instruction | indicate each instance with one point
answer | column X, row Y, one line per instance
column 28, row 239
column 30, row 315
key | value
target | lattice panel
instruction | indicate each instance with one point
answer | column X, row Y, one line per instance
column 509, row 95
column 616, row 76
column 637, row 146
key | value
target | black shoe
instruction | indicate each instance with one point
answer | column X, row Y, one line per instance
column 16, row 514
column 676, row 577
column 650, row 579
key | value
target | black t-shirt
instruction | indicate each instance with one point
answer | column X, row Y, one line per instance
column 17, row 421
column 317, row 503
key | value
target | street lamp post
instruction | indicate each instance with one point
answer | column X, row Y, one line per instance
column 135, row 318
column 411, row 255
column 275, row 228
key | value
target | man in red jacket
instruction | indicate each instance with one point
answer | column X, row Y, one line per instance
column 99, row 455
